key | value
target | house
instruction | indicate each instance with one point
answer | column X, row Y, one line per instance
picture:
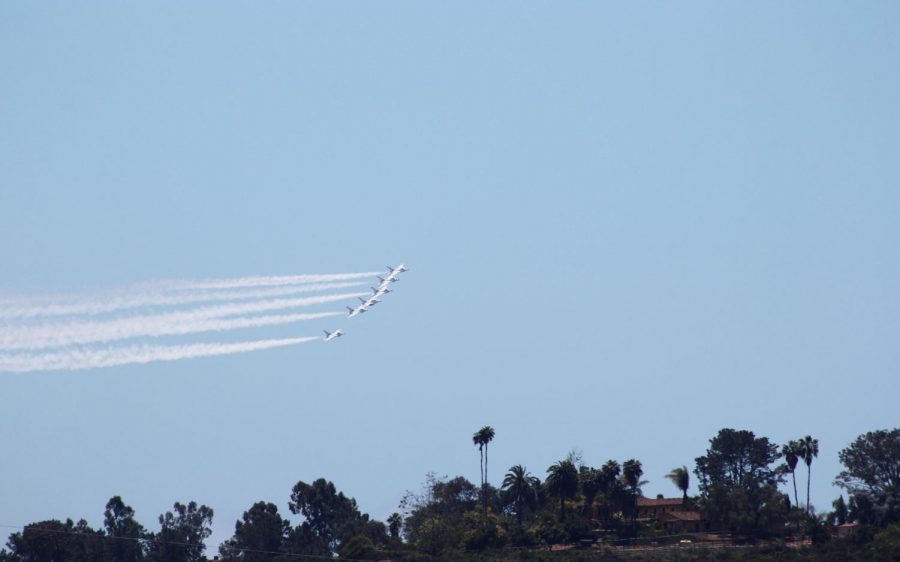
column 649, row 508
column 672, row 513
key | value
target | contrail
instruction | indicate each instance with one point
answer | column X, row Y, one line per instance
column 94, row 306
column 171, row 323
column 79, row 334
column 86, row 359
column 276, row 280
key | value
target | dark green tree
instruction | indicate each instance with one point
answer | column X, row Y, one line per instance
column 126, row 534
column 521, row 489
column 872, row 476
column 55, row 541
column 395, row 525
column 840, row 513
column 434, row 519
column 359, row 548
column 331, row 517
column 562, row 482
column 739, row 484
column 631, row 478
column 610, row 488
column 182, row 534
column 260, row 532
column 589, row 482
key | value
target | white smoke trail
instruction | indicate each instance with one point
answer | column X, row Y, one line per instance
column 174, row 323
column 86, row 359
column 94, row 306
column 275, row 280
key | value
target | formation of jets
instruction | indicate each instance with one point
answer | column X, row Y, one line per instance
column 366, row 304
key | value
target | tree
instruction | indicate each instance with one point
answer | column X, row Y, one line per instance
column 739, row 484
column 55, row 541
column 359, row 548
column 681, row 477
column 260, row 532
column 608, row 481
column 563, row 483
column 434, row 519
column 809, row 449
column 118, row 519
column 791, row 452
column 872, row 476
column 631, row 476
column 589, row 481
column 839, row 515
column 734, row 456
column 395, row 525
column 182, row 534
column 481, row 438
column 521, row 489
column 478, row 440
column 331, row 517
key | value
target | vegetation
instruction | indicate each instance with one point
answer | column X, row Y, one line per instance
column 595, row 508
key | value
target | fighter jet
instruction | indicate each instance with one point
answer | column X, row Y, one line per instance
column 381, row 291
column 399, row 269
column 387, row 281
column 356, row 311
column 335, row 334
column 367, row 304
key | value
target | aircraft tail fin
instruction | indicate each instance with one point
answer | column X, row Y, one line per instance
column 326, row 333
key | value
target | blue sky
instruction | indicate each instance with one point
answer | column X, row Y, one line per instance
column 628, row 226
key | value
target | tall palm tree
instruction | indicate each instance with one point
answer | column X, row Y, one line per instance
column 791, row 452
column 563, row 482
column 809, row 450
column 481, row 438
column 631, row 474
column 589, row 479
column 681, row 478
column 478, row 441
column 522, row 488
column 609, row 476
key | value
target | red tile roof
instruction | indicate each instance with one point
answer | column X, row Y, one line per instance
column 659, row 502
column 683, row 515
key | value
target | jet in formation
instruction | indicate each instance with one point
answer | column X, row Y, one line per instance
column 331, row 335
column 366, row 304
column 380, row 292
column 392, row 276
column 356, row 311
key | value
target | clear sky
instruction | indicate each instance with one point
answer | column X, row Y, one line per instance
column 627, row 225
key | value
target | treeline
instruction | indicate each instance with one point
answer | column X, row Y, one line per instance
column 739, row 479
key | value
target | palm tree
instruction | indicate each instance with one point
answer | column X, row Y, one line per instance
column 809, row 450
column 481, row 438
column 631, row 474
column 681, row 478
column 563, row 482
column 395, row 523
column 609, row 476
column 522, row 488
column 478, row 440
column 589, row 478
column 791, row 452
